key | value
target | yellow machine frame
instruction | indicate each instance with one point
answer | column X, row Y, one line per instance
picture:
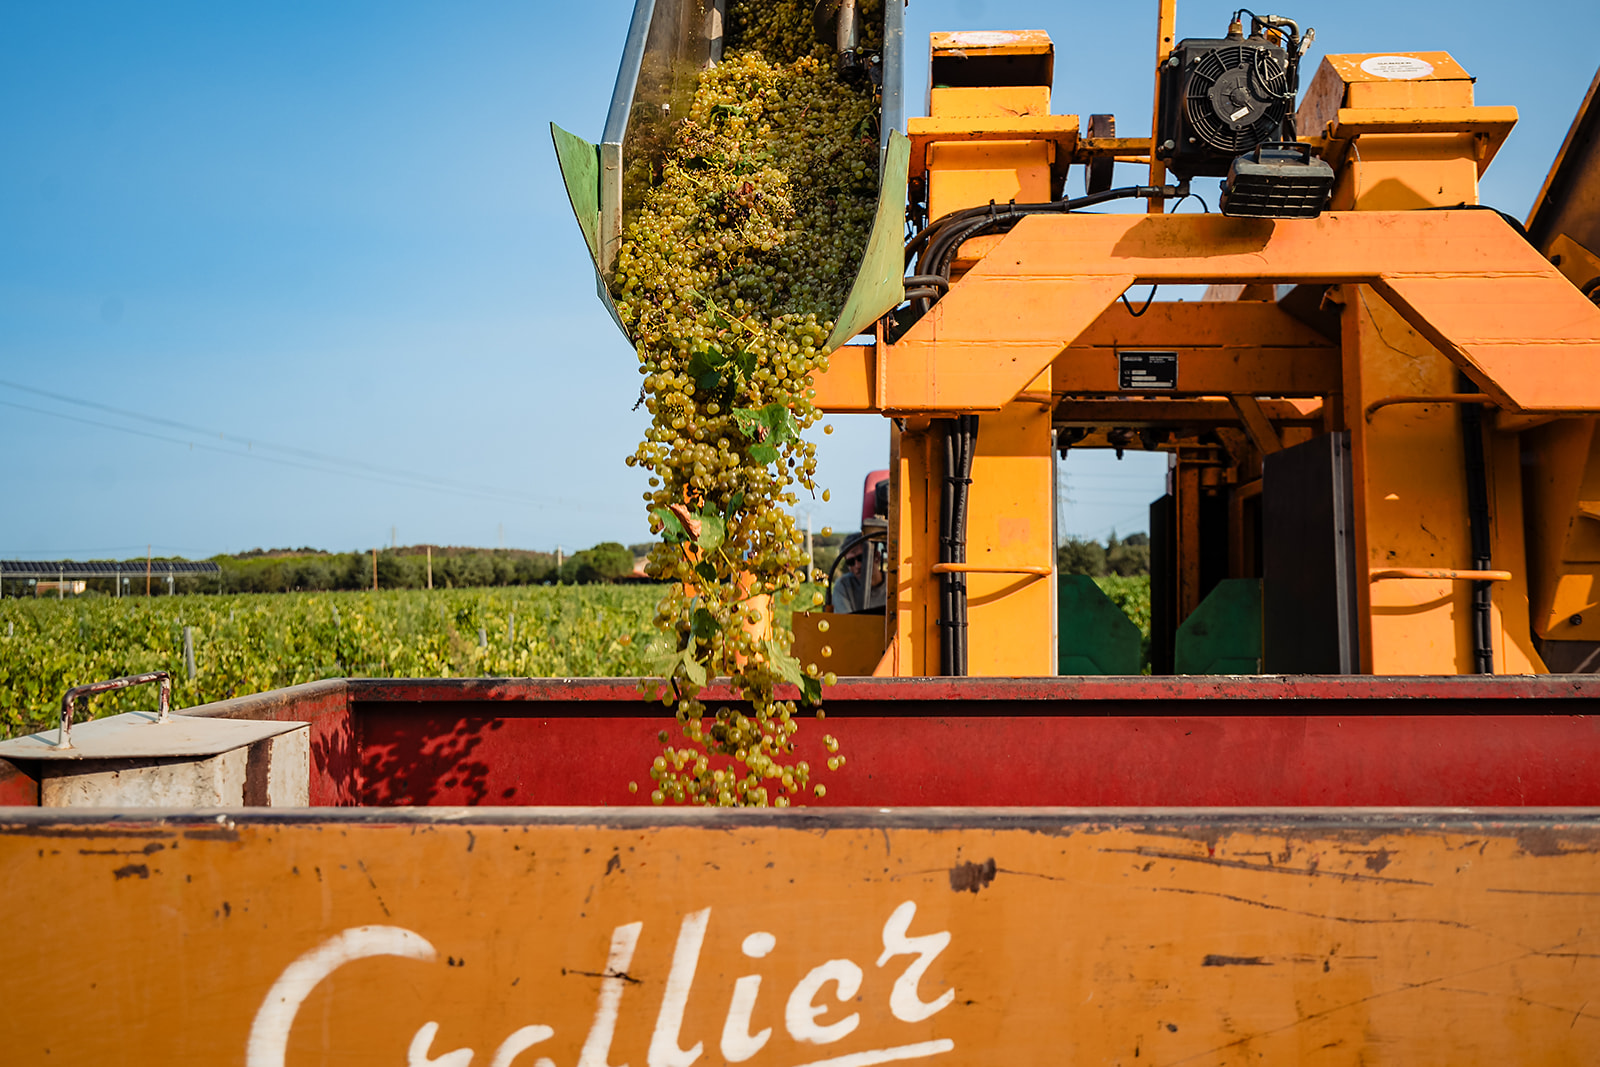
column 1028, row 332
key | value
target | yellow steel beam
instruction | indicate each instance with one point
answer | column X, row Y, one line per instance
column 1229, row 324
column 1256, row 423
column 1222, row 347
column 1464, row 279
column 1166, row 34
column 846, row 387
column 1148, row 411
column 1264, row 371
column 1355, row 121
column 1061, row 131
column 1493, row 124
column 1125, row 148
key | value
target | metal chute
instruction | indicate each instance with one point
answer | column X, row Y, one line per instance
column 669, row 43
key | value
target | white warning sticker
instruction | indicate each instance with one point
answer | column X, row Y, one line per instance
column 981, row 38
column 1397, row 67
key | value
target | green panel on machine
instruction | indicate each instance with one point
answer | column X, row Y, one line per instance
column 1093, row 636
column 879, row 287
column 1223, row 634
column 580, row 171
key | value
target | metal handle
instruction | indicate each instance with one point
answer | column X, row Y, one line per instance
column 1299, row 146
column 1381, row 574
column 1441, row 398
column 64, row 739
column 981, row 568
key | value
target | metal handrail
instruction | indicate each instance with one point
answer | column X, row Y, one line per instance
column 985, row 568
column 1381, row 574
column 1440, row 398
column 64, row 738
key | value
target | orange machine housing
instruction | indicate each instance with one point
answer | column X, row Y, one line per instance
column 1379, row 321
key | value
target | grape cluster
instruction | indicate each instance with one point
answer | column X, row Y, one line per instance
column 730, row 273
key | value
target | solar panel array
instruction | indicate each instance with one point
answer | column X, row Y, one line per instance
column 16, row 568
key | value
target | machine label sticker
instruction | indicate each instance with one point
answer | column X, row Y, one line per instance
column 1397, row 67
column 1147, row 370
column 981, row 38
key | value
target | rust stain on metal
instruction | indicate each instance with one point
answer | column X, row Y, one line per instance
column 621, row 975
column 971, row 877
column 1234, row 961
column 1549, row 841
column 84, row 833
column 375, row 892
column 148, row 850
column 220, row 833
column 130, row 870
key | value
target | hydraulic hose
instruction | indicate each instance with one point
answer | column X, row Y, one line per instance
column 1478, row 532
column 960, row 442
column 935, row 246
column 1007, row 215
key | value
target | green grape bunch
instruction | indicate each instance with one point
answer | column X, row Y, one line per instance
column 729, row 277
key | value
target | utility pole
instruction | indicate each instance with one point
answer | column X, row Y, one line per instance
column 430, row 566
column 147, row 569
column 394, row 537
column 374, row 570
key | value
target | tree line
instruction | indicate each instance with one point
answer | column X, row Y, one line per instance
column 1126, row 556
column 289, row 570
column 408, row 568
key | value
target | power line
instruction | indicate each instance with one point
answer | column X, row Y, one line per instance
column 407, row 478
column 404, row 484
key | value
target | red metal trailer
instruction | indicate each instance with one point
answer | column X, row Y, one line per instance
column 1383, row 870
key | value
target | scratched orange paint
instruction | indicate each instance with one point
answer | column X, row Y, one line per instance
column 781, row 942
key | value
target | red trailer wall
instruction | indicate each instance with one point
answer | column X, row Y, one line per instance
column 1003, row 742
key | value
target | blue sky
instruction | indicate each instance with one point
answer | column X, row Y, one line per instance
column 334, row 235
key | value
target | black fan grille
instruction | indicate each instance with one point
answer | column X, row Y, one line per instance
column 1269, row 79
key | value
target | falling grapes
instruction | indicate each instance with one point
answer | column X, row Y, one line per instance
column 728, row 278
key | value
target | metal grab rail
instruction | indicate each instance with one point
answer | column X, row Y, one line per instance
column 69, row 698
column 1440, row 398
column 1382, row 574
column 983, row 568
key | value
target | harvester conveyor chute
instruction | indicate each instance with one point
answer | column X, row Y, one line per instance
column 669, row 43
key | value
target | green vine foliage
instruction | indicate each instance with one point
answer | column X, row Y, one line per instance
column 254, row 642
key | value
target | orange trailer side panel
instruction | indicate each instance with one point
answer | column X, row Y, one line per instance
column 848, row 939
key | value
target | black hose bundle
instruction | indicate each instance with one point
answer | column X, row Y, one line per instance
column 1478, row 531
column 934, row 248
column 960, row 442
